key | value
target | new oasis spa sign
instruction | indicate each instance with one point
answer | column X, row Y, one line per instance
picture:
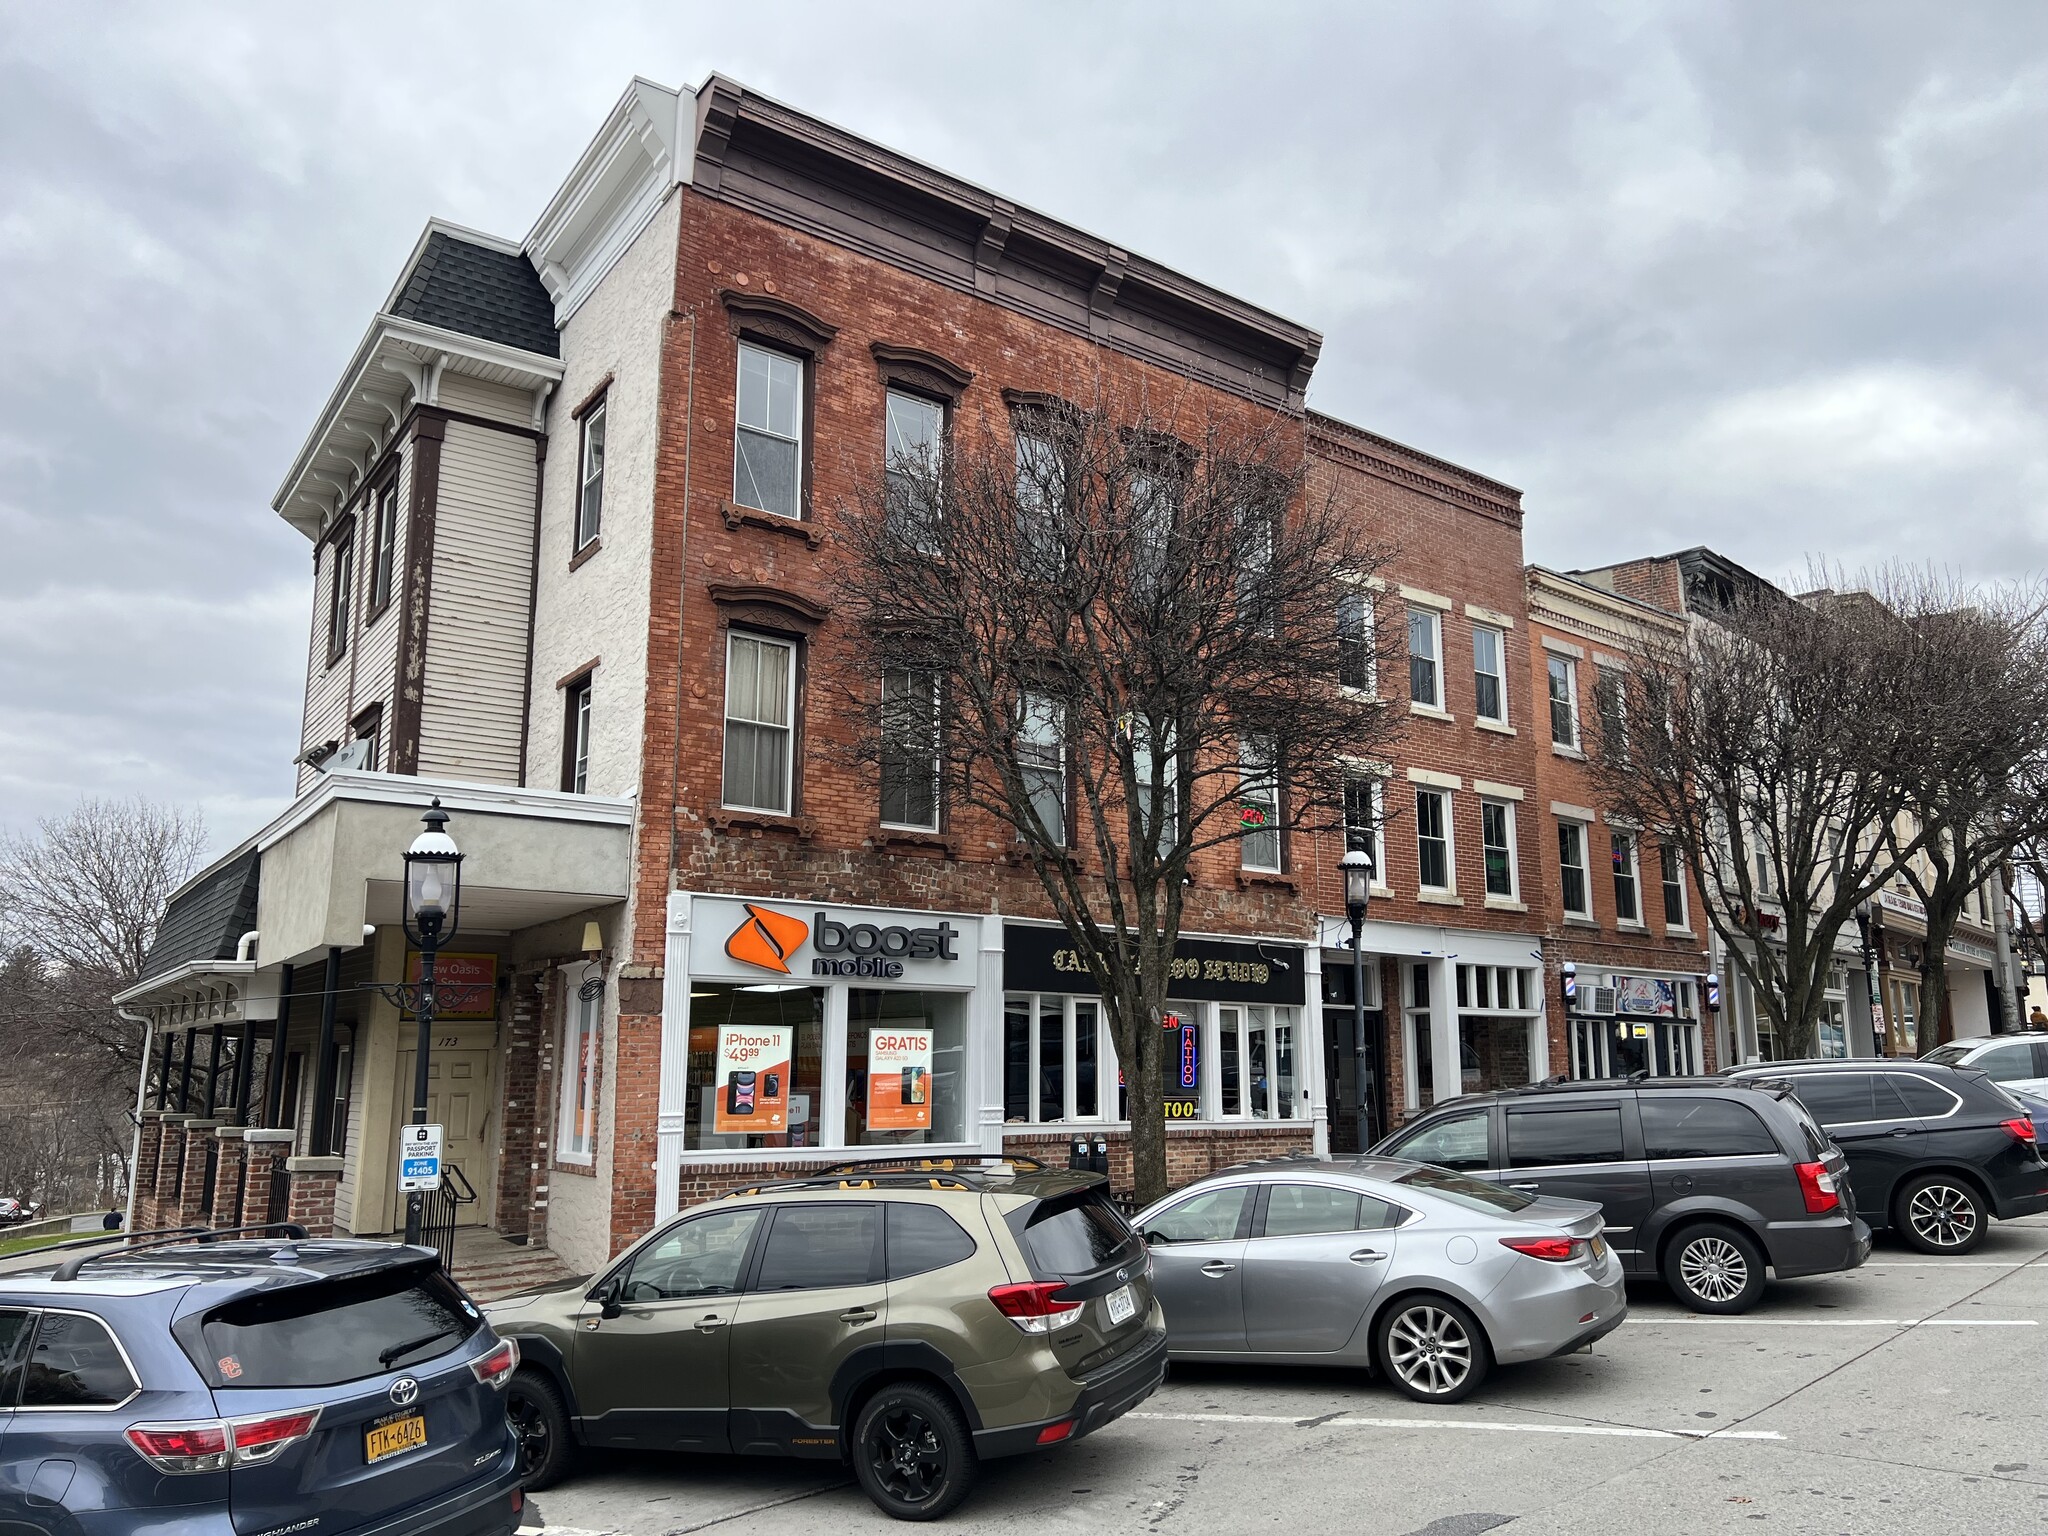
column 767, row 941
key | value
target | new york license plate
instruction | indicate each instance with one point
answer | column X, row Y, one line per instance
column 1123, row 1306
column 389, row 1437
column 1599, row 1247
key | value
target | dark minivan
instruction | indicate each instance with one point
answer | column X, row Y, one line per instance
column 1936, row 1151
column 1701, row 1180
column 249, row 1388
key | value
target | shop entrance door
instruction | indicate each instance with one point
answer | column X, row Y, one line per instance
column 1357, row 1087
column 459, row 1100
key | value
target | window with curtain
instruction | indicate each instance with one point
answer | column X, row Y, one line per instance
column 760, row 714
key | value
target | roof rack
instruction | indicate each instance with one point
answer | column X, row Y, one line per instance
column 903, row 1180
column 969, row 1163
column 184, row 1236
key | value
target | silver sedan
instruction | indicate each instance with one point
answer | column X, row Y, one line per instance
column 1423, row 1275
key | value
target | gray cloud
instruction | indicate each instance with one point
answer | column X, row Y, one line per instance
column 1765, row 277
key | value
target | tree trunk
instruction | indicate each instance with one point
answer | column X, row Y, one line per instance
column 1148, row 1113
column 1937, row 1019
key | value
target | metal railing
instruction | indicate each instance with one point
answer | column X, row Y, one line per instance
column 280, row 1203
column 208, row 1178
column 438, row 1211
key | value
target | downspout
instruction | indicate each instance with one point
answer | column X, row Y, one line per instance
column 141, row 1094
column 675, row 762
column 245, row 946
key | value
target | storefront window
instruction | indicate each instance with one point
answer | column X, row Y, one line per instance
column 756, row 1068
column 1255, row 1047
column 1055, row 1053
column 1419, row 1047
column 906, row 1077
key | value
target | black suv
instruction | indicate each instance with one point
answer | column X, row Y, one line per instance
column 1702, row 1180
column 1936, row 1151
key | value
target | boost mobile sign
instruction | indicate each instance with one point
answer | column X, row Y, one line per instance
column 759, row 940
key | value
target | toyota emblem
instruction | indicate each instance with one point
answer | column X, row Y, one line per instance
column 405, row 1392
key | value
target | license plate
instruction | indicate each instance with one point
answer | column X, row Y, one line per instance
column 392, row 1436
column 1123, row 1306
column 1599, row 1247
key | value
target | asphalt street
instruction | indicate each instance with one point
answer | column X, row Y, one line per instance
column 1907, row 1396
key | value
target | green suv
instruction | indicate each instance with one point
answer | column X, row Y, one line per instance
column 908, row 1317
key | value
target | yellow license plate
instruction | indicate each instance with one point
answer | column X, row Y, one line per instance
column 1599, row 1247
column 394, row 1436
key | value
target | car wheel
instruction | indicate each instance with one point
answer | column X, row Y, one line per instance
column 1940, row 1214
column 534, row 1410
column 1432, row 1349
column 911, row 1453
column 1715, row 1268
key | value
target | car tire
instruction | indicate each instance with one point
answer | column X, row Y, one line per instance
column 1939, row 1213
column 912, row 1453
column 1713, row 1267
column 533, row 1407
column 1431, row 1349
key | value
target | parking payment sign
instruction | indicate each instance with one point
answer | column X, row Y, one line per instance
column 419, row 1158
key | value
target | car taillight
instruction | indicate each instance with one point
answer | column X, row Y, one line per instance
column 200, row 1447
column 1034, row 1306
column 1818, row 1186
column 2021, row 1130
column 1053, row 1434
column 259, row 1439
column 496, row 1368
column 1555, row 1250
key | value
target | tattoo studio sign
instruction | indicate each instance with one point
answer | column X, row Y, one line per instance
column 1217, row 970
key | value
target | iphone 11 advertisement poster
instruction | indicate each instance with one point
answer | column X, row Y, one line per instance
column 752, row 1085
column 900, row 1080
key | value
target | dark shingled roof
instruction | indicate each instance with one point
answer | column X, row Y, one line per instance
column 206, row 921
column 480, row 292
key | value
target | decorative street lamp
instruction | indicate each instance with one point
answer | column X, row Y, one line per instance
column 1866, row 915
column 1357, row 867
column 433, row 902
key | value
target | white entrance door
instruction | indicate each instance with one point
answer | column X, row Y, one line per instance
column 459, row 1099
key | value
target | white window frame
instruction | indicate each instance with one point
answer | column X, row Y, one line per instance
column 1434, row 625
column 578, row 1067
column 579, row 735
column 1506, row 808
column 1499, row 676
column 1041, row 533
column 1259, row 784
column 938, row 726
column 1668, row 850
column 795, row 514
column 1570, row 700
column 1166, row 821
column 1376, row 805
column 1247, row 1023
column 1584, row 867
column 1037, row 1021
column 341, row 596
column 788, row 805
column 1616, row 836
column 590, row 475
column 384, row 547
column 1043, row 706
column 1443, row 798
column 1357, row 624
column 892, row 457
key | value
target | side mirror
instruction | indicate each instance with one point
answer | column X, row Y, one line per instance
column 1153, row 1237
column 607, row 1297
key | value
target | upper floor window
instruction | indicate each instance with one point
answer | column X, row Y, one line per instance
column 1256, row 604
column 1042, row 759
column 1571, row 868
column 590, row 477
column 576, row 736
column 1425, row 651
column 341, row 596
column 1259, row 803
column 1497, row 841
column 1628, row 907
column 1489, row 673
column 1610, row 700
column 760, row 722
column 1674, row 885
column 1564, row 702
column 910, row 749
column 914, row 430
column 1356, row 665
column 384, row 546
column 1041, row 492
column 1433, row 839
column 1161, row 812
column 1365, row 822
column 768, row 442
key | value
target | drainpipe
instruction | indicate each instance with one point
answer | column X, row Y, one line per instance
column 141, row 1095
column 245, row 947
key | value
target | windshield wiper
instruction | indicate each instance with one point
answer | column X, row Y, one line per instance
column 407, row 1348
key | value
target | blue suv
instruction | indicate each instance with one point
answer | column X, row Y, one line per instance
column 251, row 1388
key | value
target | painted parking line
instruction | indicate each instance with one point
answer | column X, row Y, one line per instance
column 1351, row 1421
column 1863, row 1322
column 1947, row 1263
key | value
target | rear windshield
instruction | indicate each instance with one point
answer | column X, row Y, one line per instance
column 1818, row 1143
column 1075, row 1234
column 1473, row 1194
column 331, row 1332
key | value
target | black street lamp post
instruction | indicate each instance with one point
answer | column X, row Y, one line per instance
column 1357, row 867
column 1866, row 913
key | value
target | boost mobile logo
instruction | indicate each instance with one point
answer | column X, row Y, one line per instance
column 767, row 938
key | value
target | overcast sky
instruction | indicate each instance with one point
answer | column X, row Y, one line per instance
column 1763, row 276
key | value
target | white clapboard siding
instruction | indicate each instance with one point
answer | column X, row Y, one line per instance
column 377, row 662
column 326, row 713
column 475, row 682
column 345, row 1191
column 460, row 392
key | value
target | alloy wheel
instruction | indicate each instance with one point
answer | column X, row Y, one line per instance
column 1713, row 1269
column 1943, row 1216
column 530, row 1428
column 904, row 1451
column 1430, row 1350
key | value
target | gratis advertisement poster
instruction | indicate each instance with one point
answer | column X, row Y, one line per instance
column 900, row 1080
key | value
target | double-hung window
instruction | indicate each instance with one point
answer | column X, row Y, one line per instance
column 383, row 546
column 1257, row 607
column 576, row 1105
column 1490, row 673
column 590, row 478
column 341, row 596
column 1041, row 497
column 1425, row 655
column 1364, row 823
column 1160, row 812
column 576, row 736
column 914, row 430
column 1611, row 701
column 1042, row 763
column 1571, row 868
column 1628, row 907
column 1356, row 666
column 1433, row 839
column 767, row 472
column 1497, row 841
column 910, row 749
column 760, row 722
column 1564, row 702
column 1258, row 800
column 1674, row 885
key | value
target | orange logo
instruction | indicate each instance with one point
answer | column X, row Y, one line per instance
column 767, row 938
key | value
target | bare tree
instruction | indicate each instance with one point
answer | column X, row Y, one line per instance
column 1114, row 632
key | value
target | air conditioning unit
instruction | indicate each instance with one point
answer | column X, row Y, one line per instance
column 1597, row 1002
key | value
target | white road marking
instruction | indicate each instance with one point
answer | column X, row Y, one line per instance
column 1612, row 1431
column 1865, row 1322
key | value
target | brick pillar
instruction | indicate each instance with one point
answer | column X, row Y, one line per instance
column 170, row 1161
column 227, row 1178
column 192, row 1187
column 315, row 1182
column 259, row 1148
column 149, row 1143
column 519, row 1108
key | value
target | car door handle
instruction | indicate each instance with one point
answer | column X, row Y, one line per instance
column 1216, row 1269
column 858, row 1315
column 1367, row 1256
column 1524, row 1186
column 1901, row 1131
column 711, row 1322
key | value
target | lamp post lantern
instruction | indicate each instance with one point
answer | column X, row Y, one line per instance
column 433, row 901
column 1357, row 867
